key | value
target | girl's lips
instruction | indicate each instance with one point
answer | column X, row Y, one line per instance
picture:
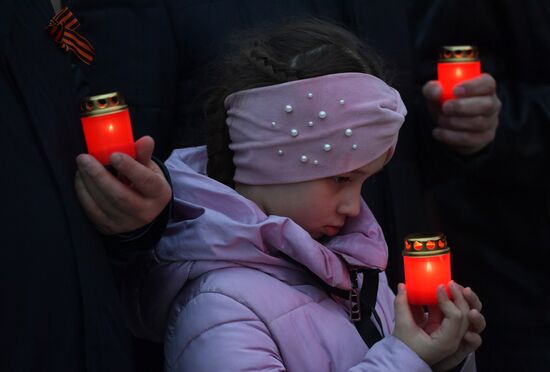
column 331, row 230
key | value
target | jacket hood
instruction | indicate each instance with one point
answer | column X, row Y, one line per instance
column 214, row 227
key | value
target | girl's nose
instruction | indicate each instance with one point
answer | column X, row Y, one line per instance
column 350, row 205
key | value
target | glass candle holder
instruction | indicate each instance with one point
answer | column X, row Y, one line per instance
column 107, row 126
column 427, row 262
column 456, row 64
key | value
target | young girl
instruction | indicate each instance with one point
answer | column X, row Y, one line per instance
column 272, row 260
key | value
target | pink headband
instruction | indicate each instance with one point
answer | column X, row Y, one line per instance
column 312, row 128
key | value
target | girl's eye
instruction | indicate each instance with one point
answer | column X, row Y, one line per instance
column 341, row 179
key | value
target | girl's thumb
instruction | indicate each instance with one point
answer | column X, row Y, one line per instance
column 403, row 314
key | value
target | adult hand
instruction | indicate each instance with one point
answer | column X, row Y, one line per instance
column 128, row 201
column 469, row 122
column 434, row 336
column 471, row 340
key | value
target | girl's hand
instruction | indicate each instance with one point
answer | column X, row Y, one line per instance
column 436, row 336
column 471, row 340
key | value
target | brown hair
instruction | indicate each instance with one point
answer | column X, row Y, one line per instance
column 273, row 55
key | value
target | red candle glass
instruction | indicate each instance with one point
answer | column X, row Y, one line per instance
column 427, row 261
column 457, row 64
column 107, row 127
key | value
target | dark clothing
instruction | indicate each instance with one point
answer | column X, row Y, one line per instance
column 60, row 309
column 497, row 213
column 136, row 54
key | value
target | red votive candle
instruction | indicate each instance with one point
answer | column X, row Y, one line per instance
column 427, row 262
column 107, row 127
column 456, row 64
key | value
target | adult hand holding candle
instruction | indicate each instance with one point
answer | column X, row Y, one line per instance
column 127, row 201
column 427, row 262
column 463, row 103
column 107, row 127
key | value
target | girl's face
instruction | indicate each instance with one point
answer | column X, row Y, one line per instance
column 320, row 206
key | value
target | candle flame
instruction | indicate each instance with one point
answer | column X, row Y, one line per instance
column 429, row 267
column 458, row 72
column 111, row 128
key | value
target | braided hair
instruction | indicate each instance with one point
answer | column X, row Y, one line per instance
column 273, row 55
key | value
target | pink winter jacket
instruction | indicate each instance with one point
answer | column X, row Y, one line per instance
column 231, row 289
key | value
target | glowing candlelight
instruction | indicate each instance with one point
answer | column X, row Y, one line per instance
column 456, row 64
column 427, row 261
column 107, row 127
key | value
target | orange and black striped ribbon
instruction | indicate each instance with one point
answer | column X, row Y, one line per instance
column 62, row 28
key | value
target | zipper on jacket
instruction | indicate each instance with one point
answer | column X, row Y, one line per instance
column 354, row 300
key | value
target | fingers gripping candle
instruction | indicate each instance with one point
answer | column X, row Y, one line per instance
column 456, row 64
column 427, row 262
column 107, row 127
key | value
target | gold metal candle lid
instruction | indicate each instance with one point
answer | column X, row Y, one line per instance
column 422, row 244
column 102, row 104
column 458, row 53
